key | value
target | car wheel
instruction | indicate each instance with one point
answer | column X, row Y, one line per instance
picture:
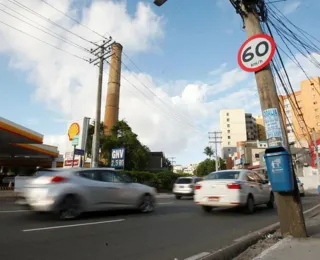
column 302, row 194
column 250, row 207
column 270, row 204
column 70, row 208
column 178, row 197
column 147, row 204
column 207, row 209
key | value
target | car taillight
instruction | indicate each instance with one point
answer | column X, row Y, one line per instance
column 57, row 179
column 198, row 187
column 234, row 186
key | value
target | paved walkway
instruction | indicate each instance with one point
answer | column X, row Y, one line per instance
column 296, row 249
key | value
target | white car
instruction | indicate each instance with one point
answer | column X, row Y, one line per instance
column 233, row 188
column 70, row 192
column 184, row 186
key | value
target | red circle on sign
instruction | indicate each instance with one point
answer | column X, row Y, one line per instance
column 266, row 62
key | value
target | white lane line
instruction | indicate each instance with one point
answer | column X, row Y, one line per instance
column 164, row 203
column 75, row 225
column 197, row 256
column 13, row 211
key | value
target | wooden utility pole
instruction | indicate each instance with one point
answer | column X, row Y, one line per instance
column 102, row 52
column 316, row 150
column 288, row 204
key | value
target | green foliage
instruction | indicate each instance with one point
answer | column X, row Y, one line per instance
column 205, row 167
column 208, row 151
column 136, row 154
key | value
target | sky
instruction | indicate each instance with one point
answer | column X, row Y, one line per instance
column 185, row 52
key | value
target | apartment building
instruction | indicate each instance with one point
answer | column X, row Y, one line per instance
column 303, row 104
column 261, row 131
column 235, row 126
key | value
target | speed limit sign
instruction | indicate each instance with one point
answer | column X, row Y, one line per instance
column 256, row 52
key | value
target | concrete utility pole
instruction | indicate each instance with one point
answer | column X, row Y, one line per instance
column 215, row 138
column 102, row 52
column 171, row 159
column 289, row 204
column 111, row 115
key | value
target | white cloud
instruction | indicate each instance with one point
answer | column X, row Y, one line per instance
column 291, row 7
column 219, row 70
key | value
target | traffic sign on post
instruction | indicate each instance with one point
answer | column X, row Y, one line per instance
column 256, row 52
column 75, row 140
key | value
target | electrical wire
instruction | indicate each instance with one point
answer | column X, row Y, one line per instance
column 45, row 30
column 56, row 47
column 148, row 98
column 26, row 8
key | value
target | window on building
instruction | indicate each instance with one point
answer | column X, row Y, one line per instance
column 229, row 143
column 228, row 131
column 315, row 102
column 228, row 120
column 313, row 96
column 228, row 125
column 227, row 114
column 229, row 137
column 317, row 117
column 229, row 150
column 312, row 89
column 316, row 110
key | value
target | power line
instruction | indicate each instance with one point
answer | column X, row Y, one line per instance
column 17, row 3
column 56, row 47
column 148, row 98
column 49, row 33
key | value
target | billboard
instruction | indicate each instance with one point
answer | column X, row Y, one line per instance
column 117, row 158
column 313, row 153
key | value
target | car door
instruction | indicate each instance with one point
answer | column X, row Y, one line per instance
column 265, row 188
column 90, row 181
column 254, row 186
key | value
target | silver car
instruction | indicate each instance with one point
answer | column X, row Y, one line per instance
column 184, row 186
column 70, row 192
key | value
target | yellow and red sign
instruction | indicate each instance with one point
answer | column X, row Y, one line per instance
column 74, row 130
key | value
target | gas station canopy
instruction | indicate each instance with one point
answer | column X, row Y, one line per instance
column 20, row 146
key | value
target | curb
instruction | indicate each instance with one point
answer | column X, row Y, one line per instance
column 243, row 243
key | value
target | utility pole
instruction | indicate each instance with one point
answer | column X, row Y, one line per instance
column 288, row 204
column 171, row 159
column 102, row 52
column 316, row 150
column 215, row 138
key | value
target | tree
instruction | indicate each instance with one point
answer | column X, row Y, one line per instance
column 205, row 167
column 208, row 151
column 136, row 154
column 167, row 164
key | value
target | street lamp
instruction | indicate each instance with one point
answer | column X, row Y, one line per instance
column 159, row 2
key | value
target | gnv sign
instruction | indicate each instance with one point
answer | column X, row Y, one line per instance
column 117, row 158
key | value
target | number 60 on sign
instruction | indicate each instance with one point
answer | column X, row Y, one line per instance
column 256, row 52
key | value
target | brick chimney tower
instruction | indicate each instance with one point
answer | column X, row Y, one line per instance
column 111, row 114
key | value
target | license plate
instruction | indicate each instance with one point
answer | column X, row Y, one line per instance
column 181, row 186
column 213, row 198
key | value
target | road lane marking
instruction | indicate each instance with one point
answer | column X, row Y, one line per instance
column 74, row 225
column 13, row 211
column 165, row 203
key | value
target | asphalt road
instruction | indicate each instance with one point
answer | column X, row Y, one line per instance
column 176, row 230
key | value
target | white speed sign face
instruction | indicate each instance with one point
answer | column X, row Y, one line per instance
column 256, row 53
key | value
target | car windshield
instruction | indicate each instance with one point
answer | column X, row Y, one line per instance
column 224, row 175
column 184, row 181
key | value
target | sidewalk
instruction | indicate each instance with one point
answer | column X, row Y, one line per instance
column 296, row 249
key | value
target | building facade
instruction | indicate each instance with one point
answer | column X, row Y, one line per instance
column 261, row 131
column 302, row 112
column 235, row 126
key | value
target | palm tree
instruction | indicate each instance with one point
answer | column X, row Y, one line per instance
column 208, row 151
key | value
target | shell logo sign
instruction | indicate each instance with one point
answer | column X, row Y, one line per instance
column 74, row 130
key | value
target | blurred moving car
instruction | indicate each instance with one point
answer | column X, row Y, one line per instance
column 233, row 188
column 300, row 187
column 70, row 192
column 184, row 186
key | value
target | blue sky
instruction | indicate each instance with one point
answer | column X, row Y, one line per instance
column 198, row 37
